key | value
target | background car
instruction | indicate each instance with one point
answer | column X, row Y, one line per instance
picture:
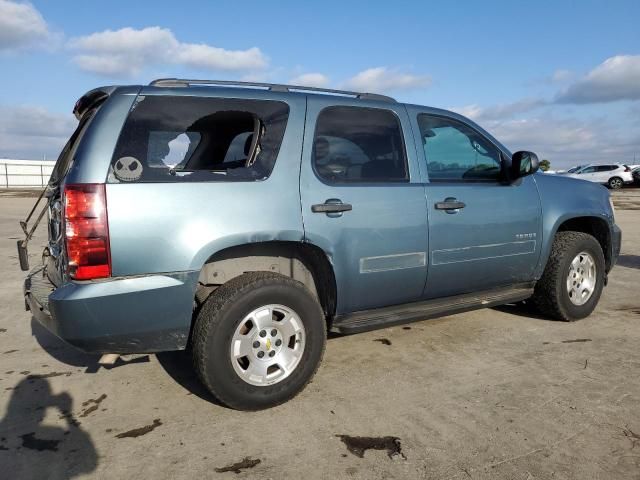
column 613, row 175
column 636, row 175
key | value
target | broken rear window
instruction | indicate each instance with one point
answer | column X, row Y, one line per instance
column 168, row 139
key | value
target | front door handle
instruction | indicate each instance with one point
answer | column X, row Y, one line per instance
column 333, row 205
column 450, row 204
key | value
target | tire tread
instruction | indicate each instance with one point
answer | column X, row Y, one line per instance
column 546, row 295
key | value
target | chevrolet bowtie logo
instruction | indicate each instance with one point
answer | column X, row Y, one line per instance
column 268, row 344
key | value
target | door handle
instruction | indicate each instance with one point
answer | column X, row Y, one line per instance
column 333, row 205
column 450, row 204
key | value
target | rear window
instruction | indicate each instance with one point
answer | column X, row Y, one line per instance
column 168, row 139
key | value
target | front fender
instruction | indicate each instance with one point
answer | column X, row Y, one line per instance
column 564, row 199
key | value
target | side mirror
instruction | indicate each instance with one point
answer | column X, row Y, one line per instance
column 523, row 163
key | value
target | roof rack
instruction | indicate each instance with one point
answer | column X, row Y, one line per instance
column 275, row 87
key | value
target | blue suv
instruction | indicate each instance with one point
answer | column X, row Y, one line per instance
column 245, row 220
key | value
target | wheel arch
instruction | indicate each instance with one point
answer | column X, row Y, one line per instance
column 301, row 261
column 597, row 227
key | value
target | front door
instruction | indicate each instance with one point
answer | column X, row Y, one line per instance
column 363, row 202
column 483, row 232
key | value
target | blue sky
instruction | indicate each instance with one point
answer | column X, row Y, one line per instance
column 561, row 78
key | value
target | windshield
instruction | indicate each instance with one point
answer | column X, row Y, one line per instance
column 575, row 169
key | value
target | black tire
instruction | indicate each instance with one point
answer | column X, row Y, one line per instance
column 550, row 295
column 615, row 183
column 217, row 321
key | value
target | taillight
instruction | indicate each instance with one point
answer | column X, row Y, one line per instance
column 87, row 231
column 627, row 169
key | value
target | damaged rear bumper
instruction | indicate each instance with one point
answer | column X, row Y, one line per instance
column 142, row 314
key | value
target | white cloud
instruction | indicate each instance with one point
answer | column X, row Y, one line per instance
column 21, row 26
column 215, row 58
column 499, row 112
column 310, row 80
column 566, row 141
column 126, row 52
column 561, row 75
column 617, row 78
column 32, row 132
column 384, row 79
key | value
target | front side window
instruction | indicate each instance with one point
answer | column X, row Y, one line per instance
column 456, row 152
column 357, row 144
column 167, row 139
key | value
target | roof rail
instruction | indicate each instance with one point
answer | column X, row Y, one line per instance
column 275, row 87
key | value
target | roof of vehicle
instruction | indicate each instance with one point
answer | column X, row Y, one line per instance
column 96, row 95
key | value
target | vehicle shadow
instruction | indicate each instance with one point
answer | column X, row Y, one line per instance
column 178, row 365
column 69, row 355
column 522, row 309
column 629, row 261
column 29, row 449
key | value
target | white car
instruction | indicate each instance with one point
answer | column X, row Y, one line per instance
column 612, row 174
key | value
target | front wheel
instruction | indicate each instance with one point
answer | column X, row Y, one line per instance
column 615, row 183
column 258, row 340
column 573, row 279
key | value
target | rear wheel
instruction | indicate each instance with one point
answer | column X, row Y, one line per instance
column 258, row 340
column 573, row 279
column 615, row 183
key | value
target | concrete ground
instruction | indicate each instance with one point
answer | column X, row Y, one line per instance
column 497, row 393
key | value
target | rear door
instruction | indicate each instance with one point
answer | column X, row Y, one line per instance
column 483, row 233
column 362, row 200
column 603, row 172
column 589, row 173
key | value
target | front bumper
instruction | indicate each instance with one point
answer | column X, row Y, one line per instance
column 122, row 315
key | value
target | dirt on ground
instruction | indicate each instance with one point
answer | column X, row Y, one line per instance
column 493, row 394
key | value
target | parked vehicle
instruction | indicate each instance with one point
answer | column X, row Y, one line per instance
column 571, row 170
column 612, row 175
column 636, row 175
column 247, row 222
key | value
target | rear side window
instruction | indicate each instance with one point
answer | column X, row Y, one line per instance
column 357, row 144
column 168, row 139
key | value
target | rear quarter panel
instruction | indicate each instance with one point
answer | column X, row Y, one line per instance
column 171, row 227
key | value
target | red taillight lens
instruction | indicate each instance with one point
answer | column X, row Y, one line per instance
column 87, row 231
column 627, row 169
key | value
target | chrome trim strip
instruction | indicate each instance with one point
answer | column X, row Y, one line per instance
column 469, row 249
column 398, row 261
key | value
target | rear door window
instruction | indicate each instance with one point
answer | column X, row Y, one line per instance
column 359, row 145
column 169, row 139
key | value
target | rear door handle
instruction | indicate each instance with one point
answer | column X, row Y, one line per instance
column 450, row 203
column 333, row 205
